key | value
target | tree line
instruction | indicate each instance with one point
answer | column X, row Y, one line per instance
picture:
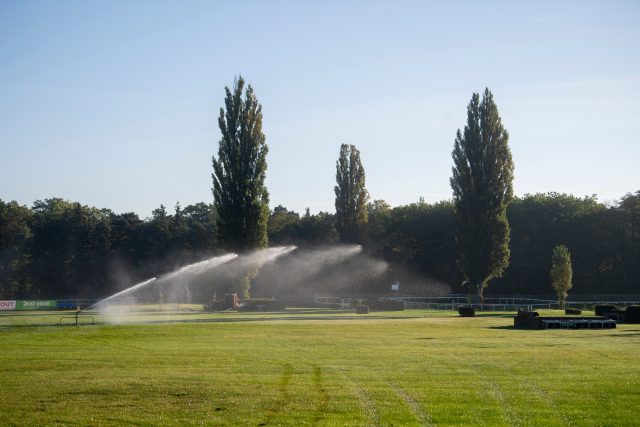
column 59, row 248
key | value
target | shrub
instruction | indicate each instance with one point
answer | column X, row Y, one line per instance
column 603, row 310
column 467, row 311
column 362, row 309
column 632, row 314
column 573, row 311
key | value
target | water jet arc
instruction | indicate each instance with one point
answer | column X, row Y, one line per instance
column 195, row 268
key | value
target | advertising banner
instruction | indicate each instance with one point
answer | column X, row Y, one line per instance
column 7, row 305
column 37, row 305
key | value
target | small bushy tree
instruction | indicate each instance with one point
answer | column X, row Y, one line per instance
column 561, row 273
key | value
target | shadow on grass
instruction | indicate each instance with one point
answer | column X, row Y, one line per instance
column 290, row 312
column 212, row 320
column 503, row 315
column 623, row 334
column 275, row 318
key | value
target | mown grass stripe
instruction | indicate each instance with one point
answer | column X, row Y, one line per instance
column 415, row 407
column 323, row 397
column 367, row 404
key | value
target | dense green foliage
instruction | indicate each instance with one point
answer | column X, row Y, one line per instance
column 288, row 227
column 351, row 196
column 64, row 249
column 331, row 370
column 240, row 196
column 420, row 237
column 604, row 249
column 482, row 189
column 15, row 234
column 58, row 248
column 561, row 273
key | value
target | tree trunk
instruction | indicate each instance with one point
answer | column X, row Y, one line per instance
column 476, row 294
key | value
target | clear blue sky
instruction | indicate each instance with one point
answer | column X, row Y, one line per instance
column 114, row 104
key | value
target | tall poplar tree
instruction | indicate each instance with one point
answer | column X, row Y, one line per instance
column 482, row 188
column 240, row 196
column 351, row 196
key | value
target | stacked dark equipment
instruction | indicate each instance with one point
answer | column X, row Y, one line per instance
column 607, row 316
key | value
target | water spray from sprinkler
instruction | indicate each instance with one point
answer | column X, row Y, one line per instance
column 122, row 293
column 195, row 268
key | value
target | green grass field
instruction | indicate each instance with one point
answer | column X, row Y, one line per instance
column 315, row 368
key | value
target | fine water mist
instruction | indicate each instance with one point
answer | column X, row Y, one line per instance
column 175, row 280
column 193, row 283
column 101, row 303
column 243, row 270
column 307, row 272
column 282, row 272
column 178, row 286
column 254, row 259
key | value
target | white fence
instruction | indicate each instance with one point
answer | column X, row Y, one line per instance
column 499, row 303
column 453, row 302
column 490, row 304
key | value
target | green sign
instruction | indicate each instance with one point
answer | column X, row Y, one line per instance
column 49, row 304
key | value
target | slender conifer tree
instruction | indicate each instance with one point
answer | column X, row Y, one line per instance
column 351, row 196
column 240, row 196
column 482, row 189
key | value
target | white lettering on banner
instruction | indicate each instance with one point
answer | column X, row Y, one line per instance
column 7, row 305
column 29, row 305
column 36, row 304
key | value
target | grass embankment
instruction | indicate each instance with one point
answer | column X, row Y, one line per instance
column 407, row 368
